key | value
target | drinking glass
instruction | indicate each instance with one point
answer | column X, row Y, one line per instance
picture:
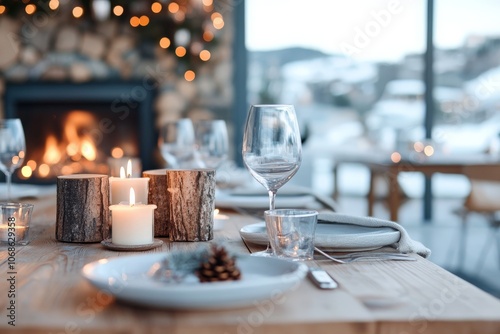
column 176, row 142
column 211, row 142
column 272, row 150
column 12, row 148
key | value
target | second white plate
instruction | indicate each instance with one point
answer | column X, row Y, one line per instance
column 335, row 237
column 249, row 200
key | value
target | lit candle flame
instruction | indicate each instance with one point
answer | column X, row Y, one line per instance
column 132, row 197
column 129, row 168
column 122, row 172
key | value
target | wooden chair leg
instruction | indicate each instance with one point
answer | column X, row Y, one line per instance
column 484, row 250
column 462, row 243
column 497, row 235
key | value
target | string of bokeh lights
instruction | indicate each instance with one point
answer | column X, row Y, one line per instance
column 176, row 10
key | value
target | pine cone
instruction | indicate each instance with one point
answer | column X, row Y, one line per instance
column 219, row 266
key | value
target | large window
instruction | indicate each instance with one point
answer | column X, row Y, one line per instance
column 468, row 65
column 354, row 71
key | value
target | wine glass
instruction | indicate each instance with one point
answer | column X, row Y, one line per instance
column 12, row 148
column 176, row 143
column 211, row 142
column 272, row 149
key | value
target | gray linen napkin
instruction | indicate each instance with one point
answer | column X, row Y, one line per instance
column 405, row 244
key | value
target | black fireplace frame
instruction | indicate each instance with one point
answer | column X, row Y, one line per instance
column 118, row 94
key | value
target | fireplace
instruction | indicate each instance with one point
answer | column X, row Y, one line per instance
column 82, row 128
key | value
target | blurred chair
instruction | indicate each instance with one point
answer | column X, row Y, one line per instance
column 484, row 199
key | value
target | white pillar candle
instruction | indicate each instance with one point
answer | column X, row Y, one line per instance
column 132, row 224
column 119, row 187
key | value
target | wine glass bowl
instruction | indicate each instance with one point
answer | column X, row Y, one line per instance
column 176, row 143
column 211, row 142
column 272, row 149
column 12, row 148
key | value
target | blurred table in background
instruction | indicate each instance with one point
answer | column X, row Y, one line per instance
column 389, row 165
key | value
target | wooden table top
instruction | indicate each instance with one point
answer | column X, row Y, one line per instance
column 51, row 296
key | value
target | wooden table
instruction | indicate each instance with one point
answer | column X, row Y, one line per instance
column 373, row 297
column 480, row 166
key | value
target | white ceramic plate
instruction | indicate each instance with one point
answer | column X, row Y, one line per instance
column 257, row 199
column 335, row 237
column 125, row 278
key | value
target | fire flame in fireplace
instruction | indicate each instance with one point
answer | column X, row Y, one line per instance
column 72, row 151
column 76, row 144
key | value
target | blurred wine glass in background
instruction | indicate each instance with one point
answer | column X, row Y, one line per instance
column 177, row 143
column 12, row 149
column 211, row 142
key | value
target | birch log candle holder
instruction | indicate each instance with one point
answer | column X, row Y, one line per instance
column 157, row 195
column 191, row 204
column 82, row 208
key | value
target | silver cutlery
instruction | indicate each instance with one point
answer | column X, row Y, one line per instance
column 366, row 256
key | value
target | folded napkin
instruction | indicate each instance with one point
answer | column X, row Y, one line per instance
column 405, row 244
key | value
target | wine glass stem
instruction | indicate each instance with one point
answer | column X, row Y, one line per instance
column 8, row 180
column 272, row 198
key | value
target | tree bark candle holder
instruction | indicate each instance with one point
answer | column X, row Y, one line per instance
column 191, row 204
column 157, row 195
column 82, row 208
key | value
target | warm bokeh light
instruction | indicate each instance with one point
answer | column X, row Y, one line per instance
column 218, row 23
column 215, row 15
column 173, row 7
column 32, row 164
column 208, row 36
column 66, row 170
column 30, row 9
column 118, row 10
column 117, row 152
column 76, row 167
column 395, row 157
column 156, row 7
column 2, row 9
column 54, row 4
column 144, row 20
column 43, row 170
column 428, row 150
column 22, row 154
column 26, row 171
column 88, row 150
column 207, row 2
column 164, row 42
column 72, row 149
column 205, row 55
column 15, row 160
column 189, row 75
column 179, row 16
column 180, row 51
column 135, row 21
column 77, row 12
column 418, row 146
